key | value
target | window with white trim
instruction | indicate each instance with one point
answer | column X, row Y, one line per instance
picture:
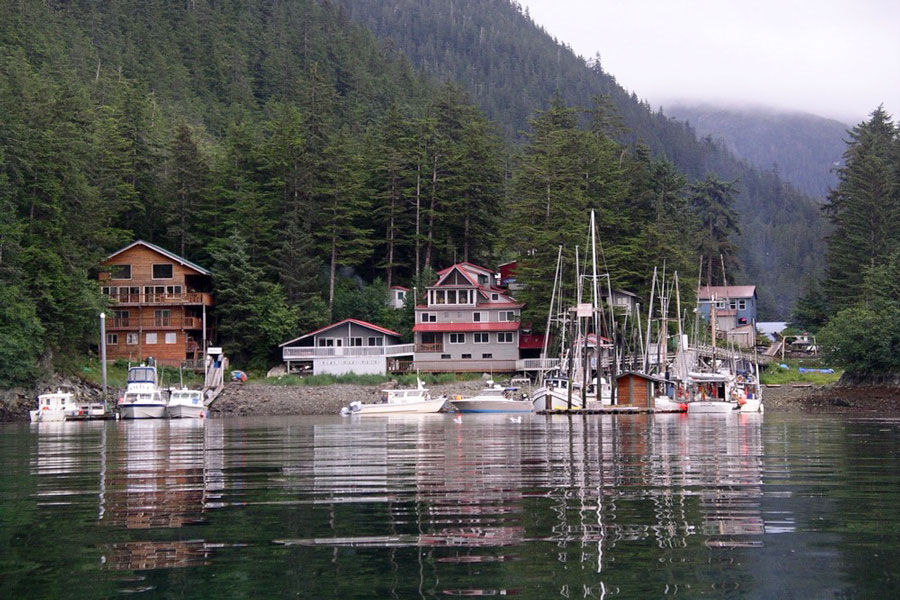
column 476, row 317
column 429, row 317
column 742, row 305
column 171, row 338
column 131, row 339
column 457, row 338
column 376, row 341
column 150, row 339
column 487, row 355
column 482, row 338
column 495, row 297
column 507, row 315
column 355, row 341
column 505, row 337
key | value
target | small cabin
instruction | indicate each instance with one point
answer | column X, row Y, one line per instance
column 397, row 296
column 638, row 389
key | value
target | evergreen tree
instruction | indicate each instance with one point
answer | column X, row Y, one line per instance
column 712, row 200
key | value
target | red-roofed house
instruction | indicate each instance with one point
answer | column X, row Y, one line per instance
column 467, row 323
column 349, row 346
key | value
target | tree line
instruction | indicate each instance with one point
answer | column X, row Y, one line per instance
column 308, row 167
column 855, row 306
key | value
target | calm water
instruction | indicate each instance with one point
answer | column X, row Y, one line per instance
column 788, row 506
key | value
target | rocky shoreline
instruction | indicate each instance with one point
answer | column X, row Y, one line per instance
column 250, row 399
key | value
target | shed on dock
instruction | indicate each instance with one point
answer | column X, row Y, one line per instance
column 638, row 389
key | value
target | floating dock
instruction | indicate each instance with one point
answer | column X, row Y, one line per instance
column 611, row 410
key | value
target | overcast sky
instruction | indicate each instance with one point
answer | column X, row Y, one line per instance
column 834, row 58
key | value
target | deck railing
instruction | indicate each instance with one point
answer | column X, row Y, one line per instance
column 142, row 298
column 151, row 322
column 310, row 352
column 437, row 347
column 537, row 364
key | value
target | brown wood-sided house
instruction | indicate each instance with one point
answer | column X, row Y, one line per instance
column 159, row 302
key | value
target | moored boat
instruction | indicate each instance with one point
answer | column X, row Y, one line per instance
column 493, row 399
column 554, row 395
column 143, row 398
column 417, row 400
column 56, row 406
column 186, row 404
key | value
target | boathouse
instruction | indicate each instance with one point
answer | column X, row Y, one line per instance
column 638, row 389
column 348, row 346
column 467, row 323
column 159, row 302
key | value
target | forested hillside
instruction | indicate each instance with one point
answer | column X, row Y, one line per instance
column 277, row 144
column 857, row 304
column 512, row 68
column 805, row 149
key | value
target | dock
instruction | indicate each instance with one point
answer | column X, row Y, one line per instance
column 611, row 410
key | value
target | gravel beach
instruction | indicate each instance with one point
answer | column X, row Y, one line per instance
column 265, row 399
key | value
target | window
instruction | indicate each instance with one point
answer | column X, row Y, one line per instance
column 445, row 357
column 162, row 271
column 326, row 342
column 131, row 339
column 401, row 295
column 507, row 315
column 720, row 304
column 505, row 337
column 482, row 279
column 466, row 356
column 376, row 341
column 162, row 317
column 120, row 271
column 171, row 337
column 120, row 318
column 487, row 355
column 173, row 290
column 451, row 296
column 495, row 297
column 476, row 317
column 742, row 305
column 150, row 339
column 355, row 341
column 457, row 338
column 429, row 317
column 482, row 338
column 112, row 339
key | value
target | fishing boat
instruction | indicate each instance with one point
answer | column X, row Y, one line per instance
column 711, row 393
column 492, row 399
column 186, row 404
column 554, row 395
column 56, row 406
column 415, row 401
column 143, row 397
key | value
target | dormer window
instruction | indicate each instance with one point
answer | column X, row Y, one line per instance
column 495, row 297
column 482, row 279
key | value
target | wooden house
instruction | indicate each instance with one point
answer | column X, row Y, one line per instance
column 159, row 302
column 638, row 389
column 349, row 346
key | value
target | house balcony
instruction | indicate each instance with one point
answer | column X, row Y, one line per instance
column 187, row 298
column 170, row 324
column 312, row 352
column 436, row 347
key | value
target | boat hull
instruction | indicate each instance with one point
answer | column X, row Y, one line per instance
column 492, row 405
column 551, row 399
column 711, row 407
column 186, row 411
column 142, row 411
column 752, row 405
column 47, row 416
column 666, row 403
column 422, row 407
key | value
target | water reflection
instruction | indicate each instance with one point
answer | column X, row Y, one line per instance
column 409, row 506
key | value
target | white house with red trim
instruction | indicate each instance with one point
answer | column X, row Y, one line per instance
column 467, row 323
column 397, row 296
column 349, row 346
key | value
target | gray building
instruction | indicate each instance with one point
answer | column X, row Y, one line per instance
column 350, row 346
column 467, row 323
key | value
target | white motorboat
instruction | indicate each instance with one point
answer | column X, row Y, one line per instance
column 554, row 395
column 143, row 398
column 491, row 400
column 57, row 406
column 417, row 400
column 186, row 404
column 700, row 407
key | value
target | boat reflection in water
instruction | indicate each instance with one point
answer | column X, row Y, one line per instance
column 464, row 489
column 161, row 474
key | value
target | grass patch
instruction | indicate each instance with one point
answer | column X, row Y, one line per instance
column 775, row 375
column 117, row 374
